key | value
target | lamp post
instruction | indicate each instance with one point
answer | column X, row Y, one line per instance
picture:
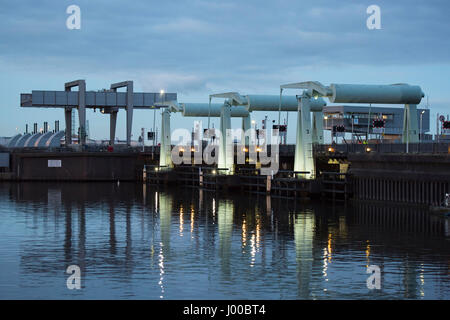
column 420, row 130
column 368, row 122
column 326, row 123
column 353, row 120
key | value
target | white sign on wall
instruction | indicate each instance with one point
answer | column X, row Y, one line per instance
column 54, row 163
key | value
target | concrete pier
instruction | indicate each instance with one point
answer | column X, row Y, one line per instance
column 349, row 174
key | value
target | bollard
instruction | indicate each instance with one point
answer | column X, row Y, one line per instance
column 268, row 183
column 144, row 174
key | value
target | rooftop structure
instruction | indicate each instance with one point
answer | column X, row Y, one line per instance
column 355, row 119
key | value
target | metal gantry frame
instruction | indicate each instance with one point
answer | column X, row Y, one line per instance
column 129, row 108
column 81, row 84
column 108, row 101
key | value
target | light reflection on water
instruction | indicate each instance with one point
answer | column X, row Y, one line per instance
column 134, row 241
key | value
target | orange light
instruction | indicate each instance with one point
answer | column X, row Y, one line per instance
column 330, row 149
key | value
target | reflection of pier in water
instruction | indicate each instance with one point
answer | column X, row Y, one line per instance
column 246, row 238
column 400, row 218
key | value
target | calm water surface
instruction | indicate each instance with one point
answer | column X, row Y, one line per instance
column 132, row 241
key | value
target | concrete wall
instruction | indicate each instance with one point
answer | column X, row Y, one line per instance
column 410, row 178
column 76, row 166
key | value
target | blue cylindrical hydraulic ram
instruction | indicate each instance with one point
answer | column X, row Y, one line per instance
column 271, row 103
column 202, row 110
column 362, row 93
column 288, row 103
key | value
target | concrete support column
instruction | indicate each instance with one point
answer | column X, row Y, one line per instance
column 303, row 147
column 317, row 129
column 225, row 144
column 165, row 150
column 82, row 111
column 81, row 84
column 112, row 127
column 130, row 104
column 410, row 124
column 246, row 125
column 68, row 118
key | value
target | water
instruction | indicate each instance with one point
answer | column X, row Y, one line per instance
column 132, row 241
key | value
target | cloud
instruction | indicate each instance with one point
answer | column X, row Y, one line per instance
column 172, row 82
column 184, row 25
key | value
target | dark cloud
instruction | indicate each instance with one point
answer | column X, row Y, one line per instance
column 210, row 37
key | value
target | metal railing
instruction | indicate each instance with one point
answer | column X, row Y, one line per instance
column 425, row 148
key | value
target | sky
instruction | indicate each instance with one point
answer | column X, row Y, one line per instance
column 200, row 47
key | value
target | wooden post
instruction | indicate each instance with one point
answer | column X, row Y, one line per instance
column 268, row 183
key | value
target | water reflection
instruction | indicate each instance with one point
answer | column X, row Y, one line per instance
column 139, row 241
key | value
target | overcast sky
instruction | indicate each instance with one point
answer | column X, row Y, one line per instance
column 199, row 47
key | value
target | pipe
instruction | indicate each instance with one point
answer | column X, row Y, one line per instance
column 202, row 110
column 288, row 103
column 362, row 93
column 271, row 103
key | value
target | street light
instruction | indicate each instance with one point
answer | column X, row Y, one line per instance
column 420, row 130
column 326, row 124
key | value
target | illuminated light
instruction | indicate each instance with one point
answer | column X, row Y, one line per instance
column 213, row 172
column 315, row 95
column 192, row 149
column 252, row 251
column 333, row 161
column 253, row 121
column 181, row 221
column 330, row 149
column 156, row 169
column 161, row 91
column 245, row 149
column 181, row 149
column 258, row 149
column 192, row 220
column 161, row 269
column 329, row 247
column 368, row 253
column 244, row 233
column 325, row 264
column 326, row 117
column 368, row 149
column 258, row 231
